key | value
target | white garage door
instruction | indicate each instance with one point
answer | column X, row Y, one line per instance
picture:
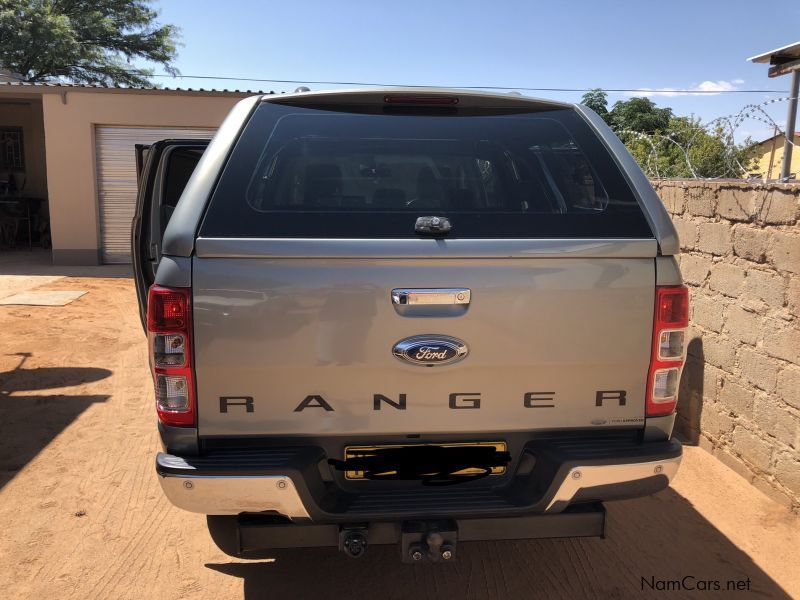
column 116, row 181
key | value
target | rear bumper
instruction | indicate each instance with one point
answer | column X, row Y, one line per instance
column 287, row 481
column 221, row 495
column 622, row 480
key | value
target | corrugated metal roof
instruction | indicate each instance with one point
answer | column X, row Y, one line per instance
column 789, row 51
column 53, row 86
column 780, row 136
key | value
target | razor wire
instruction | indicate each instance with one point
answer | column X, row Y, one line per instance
column 722, row 128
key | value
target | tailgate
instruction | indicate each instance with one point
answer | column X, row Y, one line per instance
column 304, row 345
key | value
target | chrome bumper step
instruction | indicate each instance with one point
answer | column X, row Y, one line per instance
column 288, row 482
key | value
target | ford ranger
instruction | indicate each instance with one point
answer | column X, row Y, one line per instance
column 404, row 316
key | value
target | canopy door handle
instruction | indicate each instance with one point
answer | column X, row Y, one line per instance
column 430, row 296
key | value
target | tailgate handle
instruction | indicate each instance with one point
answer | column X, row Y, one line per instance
column 430, row 296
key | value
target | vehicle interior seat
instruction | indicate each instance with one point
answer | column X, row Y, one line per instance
column 323, row 185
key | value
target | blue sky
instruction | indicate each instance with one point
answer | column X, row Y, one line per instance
column 571, row 44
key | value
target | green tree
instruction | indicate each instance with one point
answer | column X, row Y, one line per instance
column 597, row 100
column 666, row 145
column 688, row 149
column 84, row 41
column 639, row 114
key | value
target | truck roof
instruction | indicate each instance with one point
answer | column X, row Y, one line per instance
column 470, row 98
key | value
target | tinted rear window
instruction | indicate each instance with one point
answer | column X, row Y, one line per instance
column 314, row 172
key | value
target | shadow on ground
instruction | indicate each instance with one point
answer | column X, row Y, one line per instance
column 690, row 395
column 28, row 423
column 678, row 543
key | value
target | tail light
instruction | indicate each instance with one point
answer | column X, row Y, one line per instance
column 670, row 336
column 169, row 331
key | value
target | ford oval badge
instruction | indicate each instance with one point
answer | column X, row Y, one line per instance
column 430, row 350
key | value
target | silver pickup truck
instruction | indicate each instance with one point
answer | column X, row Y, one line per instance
column 401, row 316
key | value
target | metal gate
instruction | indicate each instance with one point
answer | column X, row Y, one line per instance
column 116, row 181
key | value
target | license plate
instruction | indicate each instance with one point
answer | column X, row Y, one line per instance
column 355, row 451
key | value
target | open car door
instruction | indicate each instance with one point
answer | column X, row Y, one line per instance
column 163, row 169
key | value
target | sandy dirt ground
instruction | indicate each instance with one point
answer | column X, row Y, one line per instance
column 82, row 514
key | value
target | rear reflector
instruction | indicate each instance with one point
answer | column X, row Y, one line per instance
column 428, row 100
column 670, row 323
column 169, row 335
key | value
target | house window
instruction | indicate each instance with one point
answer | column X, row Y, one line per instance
column 12, row 151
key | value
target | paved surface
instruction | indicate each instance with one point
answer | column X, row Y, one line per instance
column 47, row 298
column 19, row 284
column 82, row 515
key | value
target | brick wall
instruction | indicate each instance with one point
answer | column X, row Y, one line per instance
column 740, row 392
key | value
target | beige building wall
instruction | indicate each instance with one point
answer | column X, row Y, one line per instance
column 70, row 119
column 772, row 152
column 27, row 114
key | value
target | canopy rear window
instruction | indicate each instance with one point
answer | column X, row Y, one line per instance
column 369, row 173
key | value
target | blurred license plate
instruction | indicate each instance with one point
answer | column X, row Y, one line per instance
column 355, row 451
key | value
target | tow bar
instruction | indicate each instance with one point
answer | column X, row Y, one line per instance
column 434, row 540
column 428, row 540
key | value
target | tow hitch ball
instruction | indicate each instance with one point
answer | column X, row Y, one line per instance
column 435, row 541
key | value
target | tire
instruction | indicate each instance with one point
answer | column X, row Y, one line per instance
column 224, row 531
